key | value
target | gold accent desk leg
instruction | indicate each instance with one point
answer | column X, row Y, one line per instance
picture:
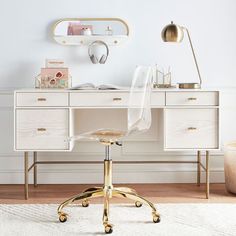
column 198, row 168
column 26, row 175
column 207, row 175
column 35, row 170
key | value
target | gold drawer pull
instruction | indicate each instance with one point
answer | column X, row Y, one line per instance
column 42, row 99
column 117, row 99
column 192, row 128
column 192, row 99
column 41, row 129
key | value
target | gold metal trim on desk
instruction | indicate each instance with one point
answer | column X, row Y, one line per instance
column 198, row 162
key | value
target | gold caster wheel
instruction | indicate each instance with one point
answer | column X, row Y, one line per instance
column 85, row 203
column 138, row 204
column 108, row 229
column 156, row 218
column 62, row 217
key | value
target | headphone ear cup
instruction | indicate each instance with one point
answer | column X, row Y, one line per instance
column 94, row 59
column 103, row 59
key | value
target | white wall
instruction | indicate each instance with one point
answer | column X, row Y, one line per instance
column 26, row 41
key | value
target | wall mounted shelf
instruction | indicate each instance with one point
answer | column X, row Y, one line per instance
column 112, row 31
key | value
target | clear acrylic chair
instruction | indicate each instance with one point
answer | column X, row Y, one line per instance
column 139, row 120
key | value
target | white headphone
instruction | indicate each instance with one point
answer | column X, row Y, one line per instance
column 92, row 57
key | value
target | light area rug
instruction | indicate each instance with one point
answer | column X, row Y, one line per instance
column 176, row 220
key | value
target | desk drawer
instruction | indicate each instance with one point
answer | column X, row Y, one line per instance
column 41, row 129
column 191, row 128
column 192, row 98
column 41, row 99
column 99, row 99
column 110, row 99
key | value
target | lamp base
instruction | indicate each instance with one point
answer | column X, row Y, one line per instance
column 189, row 86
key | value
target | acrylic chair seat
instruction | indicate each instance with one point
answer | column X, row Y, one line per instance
column 105, row 136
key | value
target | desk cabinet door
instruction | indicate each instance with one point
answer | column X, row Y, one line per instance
column 41, row 129
column 191, row 128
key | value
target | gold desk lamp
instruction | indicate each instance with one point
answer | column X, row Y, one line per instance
column 175, row 33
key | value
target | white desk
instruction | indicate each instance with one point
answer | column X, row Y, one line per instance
column 43, row 118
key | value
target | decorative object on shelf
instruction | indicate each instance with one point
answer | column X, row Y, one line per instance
column 70, row 28
column 162, row 79
column 175, row 33
column 91, row 52
column 109, row 30
column 54, row 75
column 84, row 31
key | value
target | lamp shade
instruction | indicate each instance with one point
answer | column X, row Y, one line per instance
column 172, row 33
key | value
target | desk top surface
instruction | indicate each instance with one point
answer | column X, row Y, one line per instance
column 33, row 90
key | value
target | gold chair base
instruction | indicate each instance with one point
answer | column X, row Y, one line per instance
column 107, row 192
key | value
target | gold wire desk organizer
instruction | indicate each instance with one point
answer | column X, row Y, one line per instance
column 162, row 79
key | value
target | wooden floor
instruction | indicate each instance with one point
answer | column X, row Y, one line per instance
column 157, row 193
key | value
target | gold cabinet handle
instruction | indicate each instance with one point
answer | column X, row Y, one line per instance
column 117, row 99
column 192, row 99
column 42, row 99
column 192, row 128
column 41, row 129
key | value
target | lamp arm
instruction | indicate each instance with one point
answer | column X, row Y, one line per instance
column 194, row 56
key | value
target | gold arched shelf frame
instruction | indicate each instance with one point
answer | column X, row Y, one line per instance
column 81, row 40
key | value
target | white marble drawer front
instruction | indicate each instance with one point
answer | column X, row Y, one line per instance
column 191, row 128
column 41, row 99
column 111, row 99
column 192, row 98
column 41, row 129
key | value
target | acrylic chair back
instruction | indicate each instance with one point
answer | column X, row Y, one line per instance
column 139, row 110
